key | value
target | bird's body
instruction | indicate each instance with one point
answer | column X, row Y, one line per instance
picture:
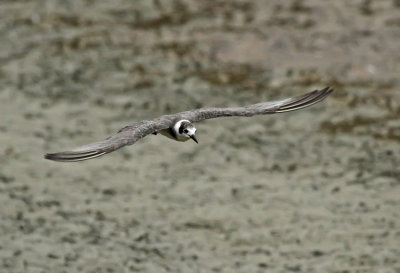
column 169, row 133
column 176, row 132
column 180, row 126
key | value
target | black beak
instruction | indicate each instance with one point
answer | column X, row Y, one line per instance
column 194, row 138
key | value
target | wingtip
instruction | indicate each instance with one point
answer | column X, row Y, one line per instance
column 306, row 100
column 53, row 157
column 323, row 93
column 327, row 90
column 320, row 94
column 49, row 156
column 73, row 156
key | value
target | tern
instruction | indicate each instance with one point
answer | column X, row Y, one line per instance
column 180, row 126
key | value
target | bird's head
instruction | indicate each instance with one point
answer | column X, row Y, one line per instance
column 186, row 129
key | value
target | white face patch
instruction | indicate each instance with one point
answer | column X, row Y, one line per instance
column 192, row 131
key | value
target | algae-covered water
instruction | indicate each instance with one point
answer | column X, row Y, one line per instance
column 316, row 190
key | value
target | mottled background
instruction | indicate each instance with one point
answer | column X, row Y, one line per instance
column 316, row 190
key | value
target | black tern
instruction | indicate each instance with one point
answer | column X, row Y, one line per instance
column 180, row 126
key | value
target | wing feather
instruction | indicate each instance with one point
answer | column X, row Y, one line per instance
column 126, row 136
column 271, row 107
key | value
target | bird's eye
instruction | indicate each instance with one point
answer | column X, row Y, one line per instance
column 185, row 131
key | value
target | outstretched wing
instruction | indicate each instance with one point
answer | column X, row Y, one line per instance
column 263, row 108
column 130, row 134
column 126, row 136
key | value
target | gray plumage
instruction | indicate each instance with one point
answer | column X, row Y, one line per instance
column 132, row 133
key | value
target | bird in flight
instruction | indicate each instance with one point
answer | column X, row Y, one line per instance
column 180, row 126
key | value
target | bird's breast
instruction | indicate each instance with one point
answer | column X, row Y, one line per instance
column 170, row 134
